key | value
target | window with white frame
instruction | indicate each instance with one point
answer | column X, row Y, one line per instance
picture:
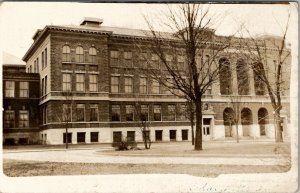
column 23, row 118
column 128, row 59
column 182, row 112
column 115, row 113
column 128, row 84
column 9, row 89
column 92, row 55
column 143, row 60
column 80, row 82
column 157, row 112
column 9, row 119
column 155, row 87
column 66, row 82
column 114, row 58
column 93, row 112
column 67, row 113
column 171, row 113
column 155, row 61
column 66, row 54
column 24, row 89
column 129, row 112
column 80, row 112
column 93, row 83
column 79, row 56
column 114, row 84
column 144, row 113
column 143, row 85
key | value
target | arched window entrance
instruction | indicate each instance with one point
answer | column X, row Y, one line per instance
column 263, row 120
column 225, row 77
column 246, row 119
column 228, row 117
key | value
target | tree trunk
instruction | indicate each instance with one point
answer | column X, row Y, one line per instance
column 278, row 132
column 192, row 125
column 198, row 139
column 237, row 132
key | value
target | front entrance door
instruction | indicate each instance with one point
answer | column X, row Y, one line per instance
column 206, row 128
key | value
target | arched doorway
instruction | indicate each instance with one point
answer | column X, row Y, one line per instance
column 263, row 120
column 225, row 77
column 228, row 118
column 246, row 119
column 242, row 72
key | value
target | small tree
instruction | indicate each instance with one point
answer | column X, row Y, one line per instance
column 142, row 119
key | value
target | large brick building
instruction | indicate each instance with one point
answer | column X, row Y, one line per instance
column 98, row 66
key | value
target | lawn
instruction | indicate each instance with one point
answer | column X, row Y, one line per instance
column 14, row 168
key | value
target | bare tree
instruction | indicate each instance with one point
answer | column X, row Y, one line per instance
column 269, row 60
column 64, row 110
column 188, row 56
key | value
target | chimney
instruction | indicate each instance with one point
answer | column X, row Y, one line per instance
column 91, row 22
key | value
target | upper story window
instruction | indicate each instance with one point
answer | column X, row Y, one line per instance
column 114, row 58
column 9, row 119
column 24, row 118
column 80, row 82
column 115, row 113
column 92, row 55
column 46, row 57
column 129, row 112
column 155, row 61
column 43, row 60
column 157, row 113
column 93, row 112
column 79, row 54
column 182, row 112
column 66, row 57
column 24, row 89
column 67, row 113
column 80, row 112
column 9, row 89
column 93, row 83
column 143, row 60
column 66, row 82
column 128, row 85
column 114, row 84
column 155, row 87
column 128, row 59
column 169, row 59
column 180, row 62
column 144, row 113
column 171, row 112
column 143, row 85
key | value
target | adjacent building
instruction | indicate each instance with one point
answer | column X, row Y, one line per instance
column 89, row 82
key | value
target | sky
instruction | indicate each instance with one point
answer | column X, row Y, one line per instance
column 20, row 20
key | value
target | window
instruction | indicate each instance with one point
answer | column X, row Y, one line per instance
column 43, row 60
column 9, row 119
column 172, row 135
column 169, row 59
column 143, row 85
column 81, row 137
column 23, row 121
column 93, row 85
column 157, row 112
column 180, row 63
column 182, row 113
column 67, row 138
column 79, row 54
column 115, row 113
column 242, row 77
column 79, row 82
column 129, row 113
column 46, row 57
column 24, row 89
column 169, row 84
column 117, row 136
column 92, row 55
column 130, row 136
column 208, row 91
column 128, row 85
column 143, row 60
column 30, row 68
column 155, row 87
column 171, row 113
column 114, row 58
column 114, row 84
column 44, row 109
column 128, row 59
column 158, row 135
column 66, row 54
column 144, row 113
column 93, row 112
column 34, row 66
column 184, row 134
column 94, row 136
column 9, row 89
column 46, row 82
column 80, row 112
column 43, row 85
column 66, row 82
column 155, row 61
column 67, row 113
column 93, row 68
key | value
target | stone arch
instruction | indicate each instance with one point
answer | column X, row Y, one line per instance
column 263, row 120
column 225, row 76
column 242, row 71
column 246, row 120
column 228, row 116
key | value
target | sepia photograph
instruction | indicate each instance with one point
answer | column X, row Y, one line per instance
column 149, row 97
